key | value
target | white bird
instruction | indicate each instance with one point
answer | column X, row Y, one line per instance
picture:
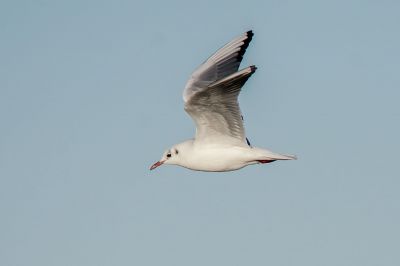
column 211, row 99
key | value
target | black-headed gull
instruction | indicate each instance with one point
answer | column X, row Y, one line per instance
column 211, row 99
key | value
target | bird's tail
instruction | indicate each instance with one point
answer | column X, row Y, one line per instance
column 266, row 156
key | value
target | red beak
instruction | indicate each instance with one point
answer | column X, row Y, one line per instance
column 157, row 164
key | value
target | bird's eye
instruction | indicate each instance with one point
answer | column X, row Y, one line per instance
column 168, row 155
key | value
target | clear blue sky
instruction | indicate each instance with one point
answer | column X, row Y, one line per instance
column 90, row 97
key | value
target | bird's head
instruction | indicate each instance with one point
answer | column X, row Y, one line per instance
column 170, row 156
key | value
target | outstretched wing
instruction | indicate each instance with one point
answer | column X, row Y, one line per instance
column 216, row 110
column 211, row 94
column 221, row 64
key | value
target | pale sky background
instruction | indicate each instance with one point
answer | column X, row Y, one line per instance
column 90, row 97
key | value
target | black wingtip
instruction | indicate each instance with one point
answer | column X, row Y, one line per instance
column 253, row 68
column 245, row 44
column 250, row 33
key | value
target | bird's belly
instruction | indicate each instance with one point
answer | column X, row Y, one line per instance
column 218, row 160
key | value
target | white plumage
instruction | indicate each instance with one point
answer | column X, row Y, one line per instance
column 211, row 99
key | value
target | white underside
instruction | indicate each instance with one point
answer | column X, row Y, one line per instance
column 210, row 98
column 220, row 158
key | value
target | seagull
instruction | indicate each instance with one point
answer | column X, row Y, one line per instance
column 211, row 99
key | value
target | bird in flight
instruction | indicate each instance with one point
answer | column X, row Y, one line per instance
column 211, row 99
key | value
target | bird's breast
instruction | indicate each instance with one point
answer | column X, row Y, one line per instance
column 217, row 159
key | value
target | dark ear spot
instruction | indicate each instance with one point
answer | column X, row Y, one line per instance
column 176, row 152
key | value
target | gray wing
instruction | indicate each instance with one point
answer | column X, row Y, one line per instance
column 221, row 64
column 216, row 111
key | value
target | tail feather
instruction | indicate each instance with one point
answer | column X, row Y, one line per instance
column 269, row 155
column 290, row 157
